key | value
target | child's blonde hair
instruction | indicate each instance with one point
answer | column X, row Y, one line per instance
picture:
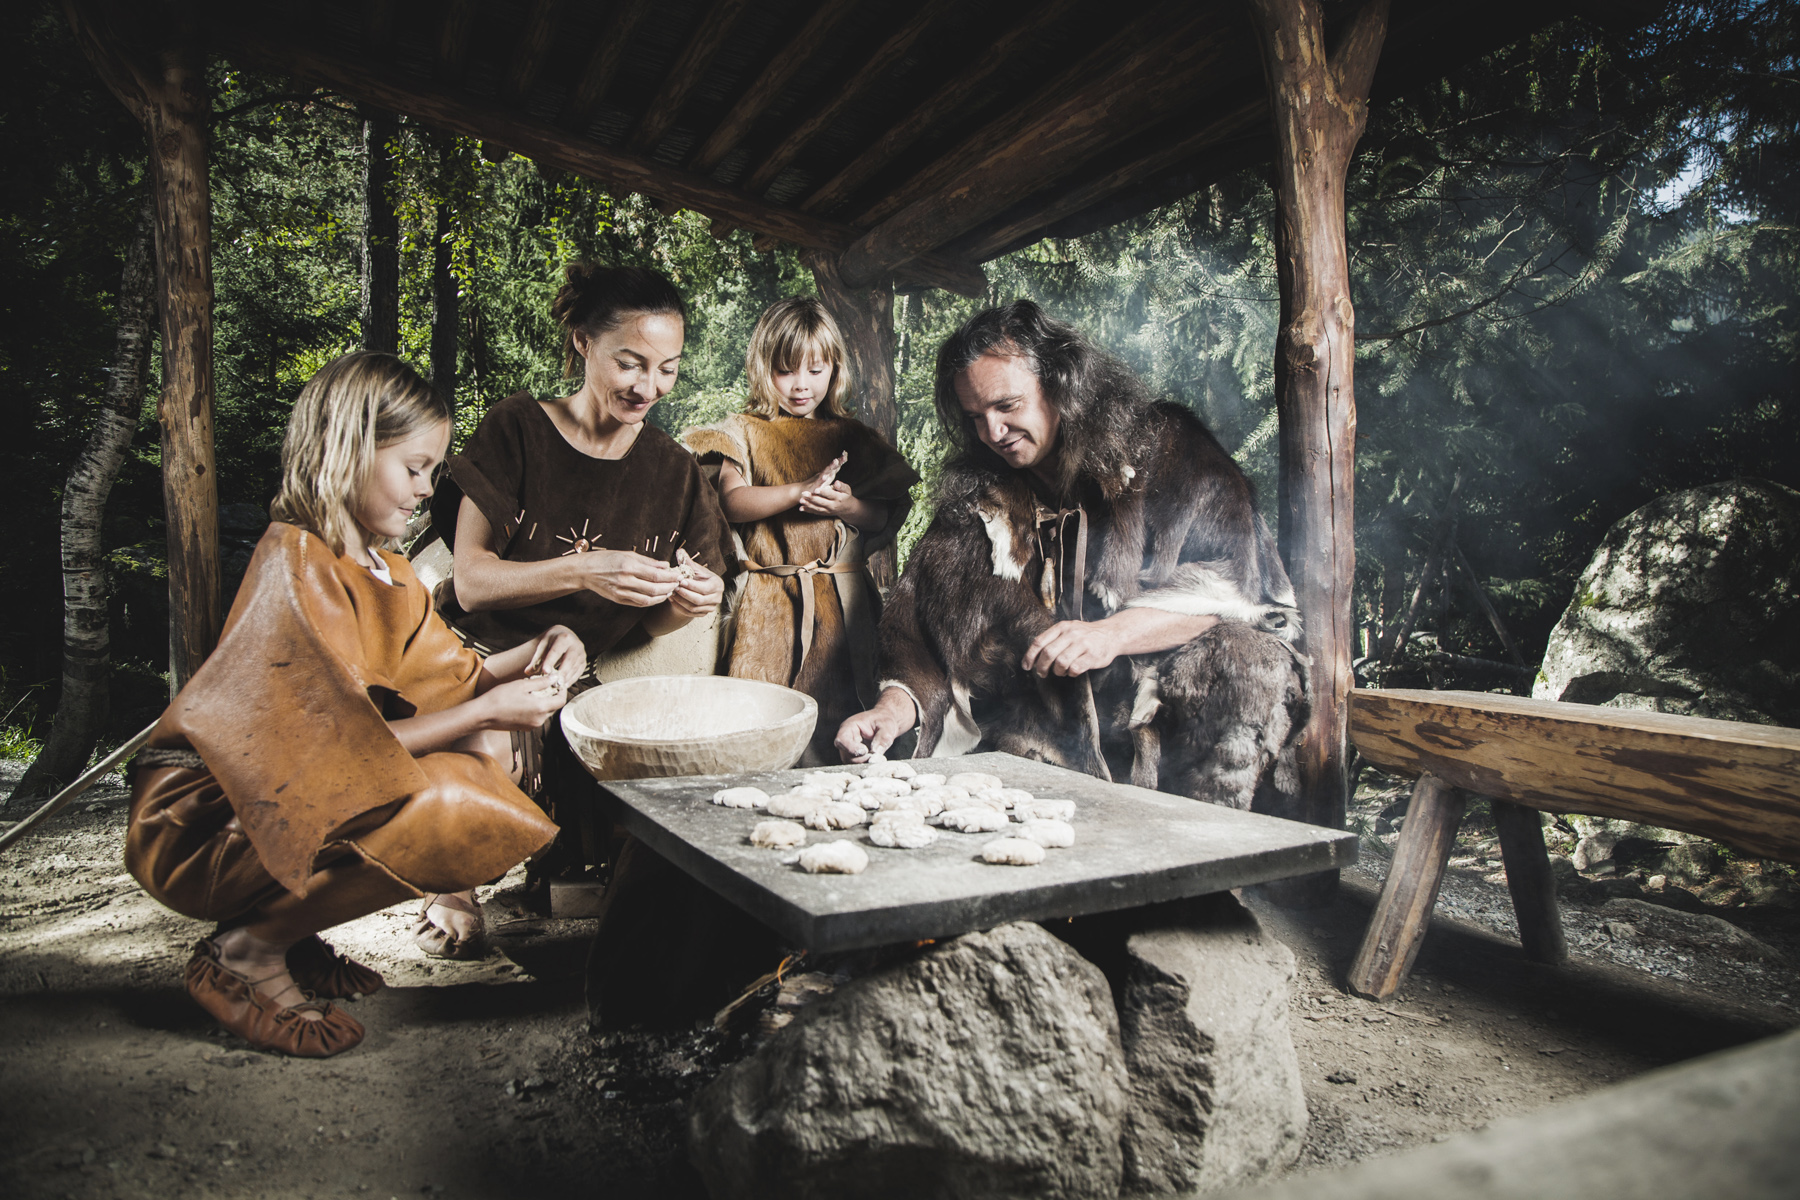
column 354, row 406
column 786, row 332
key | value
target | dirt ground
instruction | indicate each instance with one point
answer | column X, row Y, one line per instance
column 481, row 1080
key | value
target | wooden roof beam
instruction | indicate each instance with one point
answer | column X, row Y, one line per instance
column 603, row 63
column 857, row 79
column 555, row 147
column 455, row 36
column 784, row 64
column 948, row 99
column 1022, row 224
column 1137, row 74
column 381, row 23
column 532, row 49
column 690, row 66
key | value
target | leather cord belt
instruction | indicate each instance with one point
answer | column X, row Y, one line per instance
column 808, row 606
column 1051, row 543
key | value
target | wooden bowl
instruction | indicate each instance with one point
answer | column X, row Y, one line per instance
column 662, row 725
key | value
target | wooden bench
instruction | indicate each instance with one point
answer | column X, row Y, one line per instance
column 1734, row 783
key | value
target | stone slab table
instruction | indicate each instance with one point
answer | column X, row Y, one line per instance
column 1132, row 847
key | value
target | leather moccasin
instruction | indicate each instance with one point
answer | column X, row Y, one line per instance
column 266, row 1025
column 321, row 970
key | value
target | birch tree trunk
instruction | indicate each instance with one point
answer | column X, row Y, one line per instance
column 444, row 306
column 84, row 707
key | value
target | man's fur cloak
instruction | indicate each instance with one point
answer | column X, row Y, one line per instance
column 1174, row 528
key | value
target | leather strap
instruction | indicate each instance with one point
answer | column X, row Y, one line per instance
column 826, row 564
column 1055, row 595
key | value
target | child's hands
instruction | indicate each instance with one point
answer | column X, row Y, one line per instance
column 834, row 499
column 523, row 703
column 824, row 478
column 558, row 655
column 698, row 594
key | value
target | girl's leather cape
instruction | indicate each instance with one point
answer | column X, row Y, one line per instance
column 290, row 713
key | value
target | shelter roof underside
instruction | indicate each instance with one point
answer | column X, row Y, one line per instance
column 930, row 135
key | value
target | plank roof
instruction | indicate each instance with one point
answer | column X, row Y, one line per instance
column 916, row 139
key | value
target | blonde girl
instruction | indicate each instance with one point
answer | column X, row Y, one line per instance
column 811, row 493
column 341, row 750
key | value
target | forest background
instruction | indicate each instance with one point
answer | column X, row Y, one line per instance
column 1574, row 266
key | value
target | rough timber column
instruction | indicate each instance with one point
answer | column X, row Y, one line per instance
column 1319, row 102
column 150, row 56
column 866, row 316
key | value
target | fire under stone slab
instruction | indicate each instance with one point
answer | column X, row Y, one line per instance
column 1132, row 847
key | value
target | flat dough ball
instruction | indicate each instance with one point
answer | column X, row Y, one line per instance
column 974, row 781
column 796, row 805
column 989, row 797
column 777, row 835
column 1013, row 797
column 742, row 797
column 909, row 815
column 837, row 781
column 889, row 770
column 1051, row 835
column 973, row 820
column 837, row 858
column 881, row 787
column 1010, row 852
column 903, row 835
column 835, row 814
column 1049, row 810
column 928, row 780
column 934, row 800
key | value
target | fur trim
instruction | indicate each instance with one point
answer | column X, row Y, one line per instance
column 1204, row 590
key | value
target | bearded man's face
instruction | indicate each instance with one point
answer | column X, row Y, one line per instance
column 1007, row 409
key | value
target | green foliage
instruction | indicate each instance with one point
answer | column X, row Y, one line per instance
column 1573, row 264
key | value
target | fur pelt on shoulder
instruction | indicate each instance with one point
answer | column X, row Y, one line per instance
column 1179, row 533
column 1183, row 534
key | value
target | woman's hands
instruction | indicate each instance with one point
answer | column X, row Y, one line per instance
column 699, row 592
column 625, row 576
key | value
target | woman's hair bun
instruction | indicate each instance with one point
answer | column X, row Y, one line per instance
column 595, row 298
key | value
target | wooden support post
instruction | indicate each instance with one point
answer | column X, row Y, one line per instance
column 1403, row 914
column 149, row 57
column 1529, row 880
column 1319, row 102
column 866, row 317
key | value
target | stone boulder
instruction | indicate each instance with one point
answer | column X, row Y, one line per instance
column 1216, row 1096
column 1690, row 605
column 990, row 1066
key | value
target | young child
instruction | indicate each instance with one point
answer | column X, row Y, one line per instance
column 811, row 493
column 340, row 750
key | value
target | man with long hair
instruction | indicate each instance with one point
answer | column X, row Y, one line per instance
column 1097, row 589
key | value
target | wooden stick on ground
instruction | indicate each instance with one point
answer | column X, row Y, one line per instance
column 61, row 800
column 1403, row 914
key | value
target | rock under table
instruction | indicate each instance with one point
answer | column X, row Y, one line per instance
column 1132, row 847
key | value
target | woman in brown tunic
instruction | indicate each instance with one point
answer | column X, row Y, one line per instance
column 574, row 510
column 340, row 750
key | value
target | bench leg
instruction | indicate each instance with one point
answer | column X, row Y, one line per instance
column 1529, row 879
column 1403, row 913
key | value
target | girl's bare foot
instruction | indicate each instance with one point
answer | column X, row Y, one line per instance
column 449, row 925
